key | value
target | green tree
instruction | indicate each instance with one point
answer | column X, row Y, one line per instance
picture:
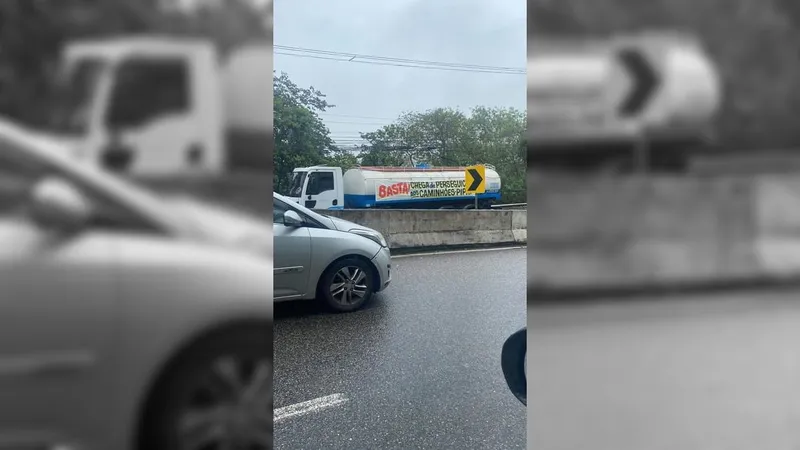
column 301, row 138
column 339, row 157
column 32, row 33
column 392, row 145
column 228, row 22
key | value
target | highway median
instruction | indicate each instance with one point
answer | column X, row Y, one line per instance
column 602, row 237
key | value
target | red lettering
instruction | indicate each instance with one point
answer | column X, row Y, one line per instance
column 401, row 188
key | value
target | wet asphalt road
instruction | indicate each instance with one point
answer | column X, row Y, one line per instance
column 705, row 372
column 420, row 367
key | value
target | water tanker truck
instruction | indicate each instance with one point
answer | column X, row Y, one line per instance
column 652, row 97
column 323, row 187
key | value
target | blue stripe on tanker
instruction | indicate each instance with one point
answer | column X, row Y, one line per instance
column 368, row 201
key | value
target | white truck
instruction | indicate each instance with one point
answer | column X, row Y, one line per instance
column 324, row 187
column 161, row 106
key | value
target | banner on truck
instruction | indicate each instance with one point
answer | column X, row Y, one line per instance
column 404, row 190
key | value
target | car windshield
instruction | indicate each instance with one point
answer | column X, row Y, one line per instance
column 296, row 187
column 308, row 212
column 71, row 97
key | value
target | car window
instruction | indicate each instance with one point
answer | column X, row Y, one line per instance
column 311, row 218
column 20, row 172
column 319, row 182
column 278, row 209
column 17, row 178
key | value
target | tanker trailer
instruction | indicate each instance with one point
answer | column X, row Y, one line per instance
column 591, row 102
column 324, row 187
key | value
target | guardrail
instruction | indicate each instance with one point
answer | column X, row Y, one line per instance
column 511, row 205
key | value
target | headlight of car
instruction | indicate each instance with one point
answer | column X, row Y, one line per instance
column 373, row 235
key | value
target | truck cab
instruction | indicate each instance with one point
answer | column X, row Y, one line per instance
column 140, row 105
column 151, row 105
column 317, row 187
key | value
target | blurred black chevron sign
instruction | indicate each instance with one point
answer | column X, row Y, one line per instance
column 645, row 81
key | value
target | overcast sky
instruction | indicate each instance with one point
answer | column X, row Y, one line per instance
column 478, row 32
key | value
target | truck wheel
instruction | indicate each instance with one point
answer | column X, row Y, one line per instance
column 347, row 285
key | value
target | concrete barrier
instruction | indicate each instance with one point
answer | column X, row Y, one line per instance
column 403, row 229
column 595, row 234
column 611, row 233
column 407, row 229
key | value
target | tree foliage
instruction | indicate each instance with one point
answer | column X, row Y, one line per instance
column 301, row 138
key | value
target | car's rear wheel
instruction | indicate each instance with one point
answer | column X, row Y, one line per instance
column 347, row 285
column 217, row 395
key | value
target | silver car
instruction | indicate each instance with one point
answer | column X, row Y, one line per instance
column 127, row 320
column 336, row 261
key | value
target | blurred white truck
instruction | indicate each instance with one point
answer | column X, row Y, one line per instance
column 159, row 106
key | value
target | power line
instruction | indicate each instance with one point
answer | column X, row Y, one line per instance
column 384, row 58
column 357, row 117
column 301, row 52
column 403, row 65
column 350, row 122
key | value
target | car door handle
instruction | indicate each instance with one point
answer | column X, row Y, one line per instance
column 285, row 270
column 46, row 364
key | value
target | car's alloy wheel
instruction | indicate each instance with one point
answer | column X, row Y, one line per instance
column 227, row 407
column 219, row 396
column 348, row 285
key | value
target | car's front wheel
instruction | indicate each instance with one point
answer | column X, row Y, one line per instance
column 217, row 395
column 347, row 285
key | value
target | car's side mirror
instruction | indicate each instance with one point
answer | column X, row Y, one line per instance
column 292, row 219
column 513, row 361
column 57, row 205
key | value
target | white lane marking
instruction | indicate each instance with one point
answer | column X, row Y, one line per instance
column 311, row 406
column 451, row 252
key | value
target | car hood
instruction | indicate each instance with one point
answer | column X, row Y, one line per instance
column 220, row 225
column 346, row 225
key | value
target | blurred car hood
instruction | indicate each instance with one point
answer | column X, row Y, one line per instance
column 225, row 226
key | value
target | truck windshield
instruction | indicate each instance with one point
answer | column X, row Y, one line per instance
column 296, row 188
column 72, row 96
